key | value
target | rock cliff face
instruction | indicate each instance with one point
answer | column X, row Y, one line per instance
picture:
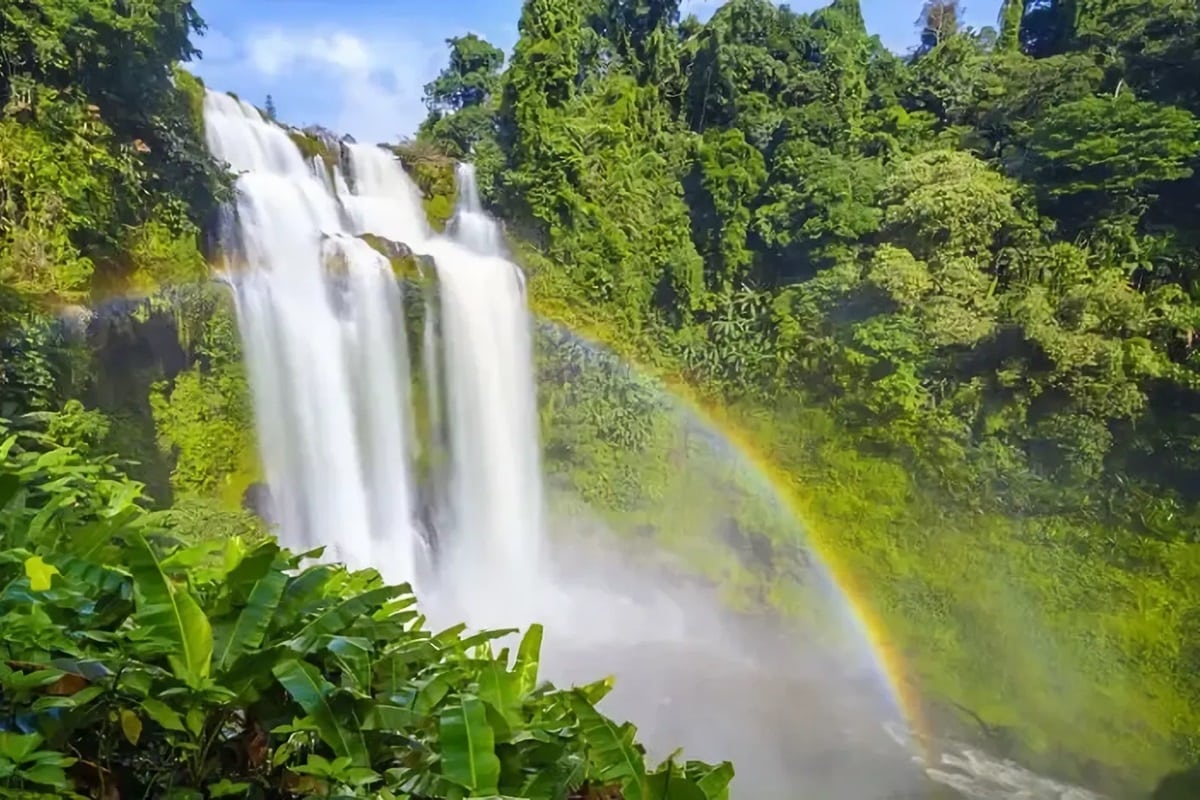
column 317, row 142
column 433, row 172
column 258, row 501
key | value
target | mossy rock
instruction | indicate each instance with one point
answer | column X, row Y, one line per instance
column 312, row 146
column 389, row 249
column 433, row 172
column 406, row 265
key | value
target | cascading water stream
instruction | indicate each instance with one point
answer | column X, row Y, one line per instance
column 321, row 320
column 494, row 556
column 472, row 225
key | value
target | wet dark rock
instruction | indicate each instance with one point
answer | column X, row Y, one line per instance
column 390, row 249
column 1179, row 786
column 427, row 527
column 257, row 499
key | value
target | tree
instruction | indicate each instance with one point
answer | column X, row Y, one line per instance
column 939, row 21
column 1011, row 13
column 1102, row 146
column 145, row 647
column 461, row 100
column 471, row 77
column 269, row 107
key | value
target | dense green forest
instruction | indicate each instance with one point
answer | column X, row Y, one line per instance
column 156, row 641
column 952, row 294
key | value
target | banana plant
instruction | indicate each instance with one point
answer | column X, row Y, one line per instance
column 217, row 670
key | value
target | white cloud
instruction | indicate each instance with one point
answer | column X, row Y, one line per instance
column 367, row 85
column 701, row 8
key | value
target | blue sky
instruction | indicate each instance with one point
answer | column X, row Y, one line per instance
column 359, row 66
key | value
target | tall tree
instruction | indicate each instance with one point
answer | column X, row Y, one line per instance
column 462, row 99
column 1011, row 14
column 939, row 21
column 471, row 77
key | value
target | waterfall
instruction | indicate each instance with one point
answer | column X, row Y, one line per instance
column 495, row 490
column 471, row 225
column 322, row 319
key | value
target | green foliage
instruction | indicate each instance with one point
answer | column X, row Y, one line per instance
column 471, row 78
column 972, row 270
column 101, row 135
column 216, row 669
column 203, row 419
column 433, row 172
column 198, row 417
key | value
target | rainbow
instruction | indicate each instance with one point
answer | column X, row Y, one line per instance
column 889, row 663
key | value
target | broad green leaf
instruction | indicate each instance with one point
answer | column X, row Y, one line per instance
column 170, row 612
column 45, row 775
column 161, row 713
column 528, row 657
column 188, row 558
column 131, row 725
column 596, row 690
column 311, row 583
column 42, row 519
column 22, row 681
column 500, row 689
column 254, row 620
column 713, row 780
column 669, row 783
column 18, row 747
column 311, row 692
column 450, row 636
column 609, row 752
column 560, row 779
column 235, row 551
column 105, row 581
column 80, row 698
column 122, row 499
column 392, row 718
column 227, row 788
column 483, row 637
column 424, row 695
column 353, row 656
column 195, row 720
column 468, row 746
column 337, row 619
column 39, row 573
column 251, row 569
column 393, row 670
